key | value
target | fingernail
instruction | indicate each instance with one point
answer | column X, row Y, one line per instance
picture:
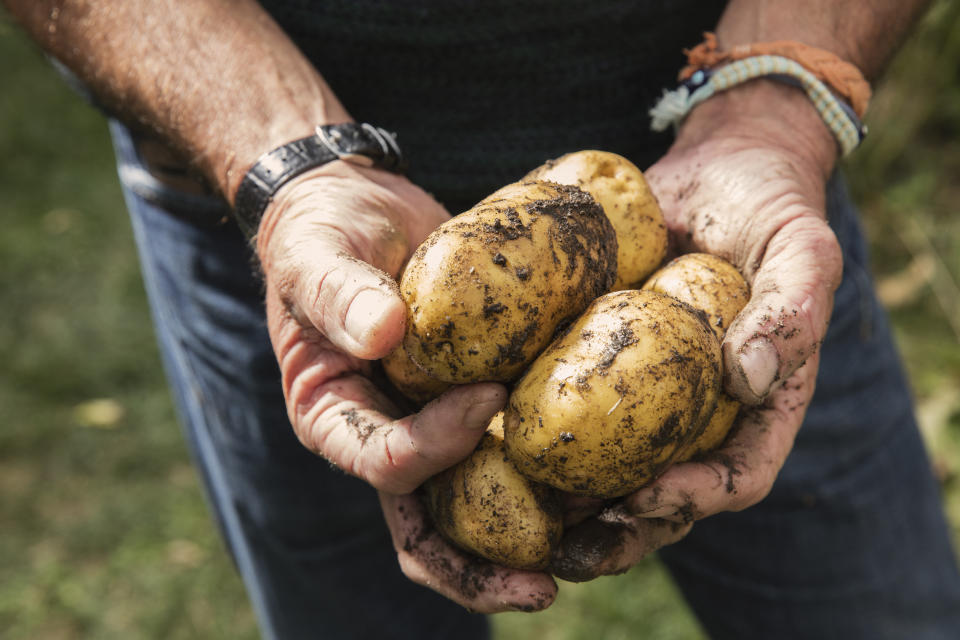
column 759, row 363
column 364, row 314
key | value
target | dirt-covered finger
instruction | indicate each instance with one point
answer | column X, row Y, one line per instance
column 355, row 305
column 789, row 309
column 348, row 424
column 427, row 559
column 611, row 543
column 338, row 413
column 330, row 248
column 742, row 472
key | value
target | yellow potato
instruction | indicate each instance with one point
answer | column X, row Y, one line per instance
column 620, row 188
column 716, row 430
column 487, row 290
column 409, row 379
column 485, row 506
column 609, row 405
column 705, row 282
column 714, row 286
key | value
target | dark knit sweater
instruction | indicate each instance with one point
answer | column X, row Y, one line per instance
column 482, row 92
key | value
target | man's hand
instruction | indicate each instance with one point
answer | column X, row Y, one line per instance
column 745, row 180
column 331, row 245
column 750, row 188
column 481, row 586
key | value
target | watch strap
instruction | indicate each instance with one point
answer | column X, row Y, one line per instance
column 358, row 143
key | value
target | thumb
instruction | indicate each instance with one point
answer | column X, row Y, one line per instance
column 328, row 246
column 355, row 305
column 789, row 309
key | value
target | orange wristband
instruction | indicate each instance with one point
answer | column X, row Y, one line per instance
column 844, row 78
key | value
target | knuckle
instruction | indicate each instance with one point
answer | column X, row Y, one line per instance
column 381, row 467
column 315, row 440
column 413, row 569
column 749, row 493
column 740, row 485
column 321, row 293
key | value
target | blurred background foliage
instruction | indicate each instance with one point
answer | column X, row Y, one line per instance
column 103, row 528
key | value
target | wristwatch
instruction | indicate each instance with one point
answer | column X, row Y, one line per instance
column 358, row 143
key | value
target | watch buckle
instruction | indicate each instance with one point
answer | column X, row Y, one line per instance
column 330, row 138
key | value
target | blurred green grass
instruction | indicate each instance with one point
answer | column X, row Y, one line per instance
column 104, row 529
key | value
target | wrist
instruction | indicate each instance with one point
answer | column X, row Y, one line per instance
column 361, row 144
column 281, row 130
column 764, row 113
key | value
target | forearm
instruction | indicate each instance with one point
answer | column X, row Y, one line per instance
column 217, row 79
column 863, row 33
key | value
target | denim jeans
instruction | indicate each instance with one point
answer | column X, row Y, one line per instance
column 851, row 543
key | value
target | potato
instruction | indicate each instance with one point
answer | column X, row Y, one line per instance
column 714, row 286
column 486, row 507
column 409, row 379
column 622, row 191
column 486, row 291
column 705, row 282
column 716, row 430
column 609, row 405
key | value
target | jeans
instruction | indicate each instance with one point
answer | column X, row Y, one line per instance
column 851, row 543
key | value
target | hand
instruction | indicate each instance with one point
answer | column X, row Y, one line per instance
column 331, row 245
column 481, row 586
column 741, row 183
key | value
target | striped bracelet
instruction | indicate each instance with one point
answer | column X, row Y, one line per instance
column 839, row 117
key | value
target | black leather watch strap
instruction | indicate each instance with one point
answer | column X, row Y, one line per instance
column 359, row 143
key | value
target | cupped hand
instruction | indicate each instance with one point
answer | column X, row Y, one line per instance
column 745, row 180
column 331, row 245
column 481, row 586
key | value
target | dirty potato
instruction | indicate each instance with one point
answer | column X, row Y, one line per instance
column 705, row 282
column 409, row 379
column 486, row 291
column 609, row 405
column 716, row 430
column 714, row 286
column 620, row 188
column 486, row 507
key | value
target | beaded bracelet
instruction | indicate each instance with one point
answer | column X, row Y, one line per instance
column 839, row 117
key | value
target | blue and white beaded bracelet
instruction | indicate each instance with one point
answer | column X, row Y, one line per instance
column 839, row 117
